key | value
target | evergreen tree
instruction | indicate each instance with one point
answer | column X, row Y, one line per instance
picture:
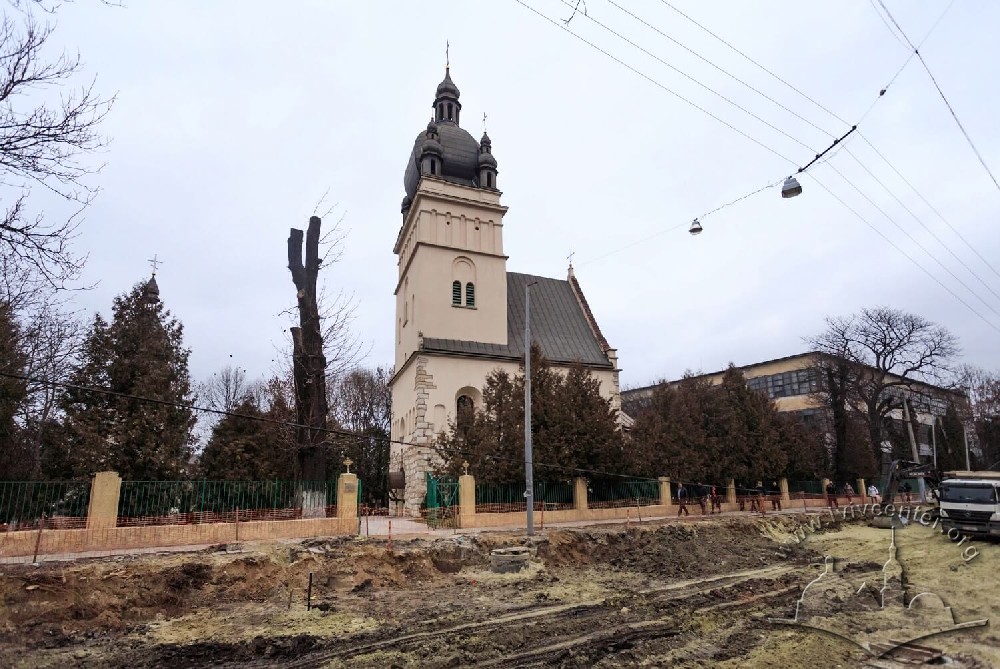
column 139, row 354
column 14, row 462
column 248, row 447
column 573, row 426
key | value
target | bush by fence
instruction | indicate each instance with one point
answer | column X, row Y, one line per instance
column 618, row 493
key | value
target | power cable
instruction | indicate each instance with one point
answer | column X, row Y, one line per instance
column 653, row 81
column 917, row 243
column 931, row 206
column 690, row 78
column 928, row 229
column 719, row 68
column 817, row 158
column 951, row 110
column 901, row 251
column 762, row 67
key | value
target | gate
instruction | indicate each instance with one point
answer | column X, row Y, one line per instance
column 442, row 501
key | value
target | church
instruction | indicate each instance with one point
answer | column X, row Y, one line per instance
column 459, row 312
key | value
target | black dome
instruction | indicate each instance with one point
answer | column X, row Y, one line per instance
column 459, row 157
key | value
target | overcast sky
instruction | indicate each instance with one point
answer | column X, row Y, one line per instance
column 233, row 118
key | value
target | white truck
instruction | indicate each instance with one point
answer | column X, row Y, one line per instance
column 970, row 502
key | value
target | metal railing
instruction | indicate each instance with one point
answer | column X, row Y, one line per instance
column 618, row 493
column 58, row 504
column 189, row 502
column 509, row 497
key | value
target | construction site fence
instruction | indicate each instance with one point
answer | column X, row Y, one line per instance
column 25, row 504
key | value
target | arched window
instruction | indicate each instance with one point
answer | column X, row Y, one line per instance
column 470, row 295
column 449, row 112
column 434, row 166
column 456, row 292
column 489, row 180
column 464, row 413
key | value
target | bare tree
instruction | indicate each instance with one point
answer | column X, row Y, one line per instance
column 43, row 142
column 871, row 353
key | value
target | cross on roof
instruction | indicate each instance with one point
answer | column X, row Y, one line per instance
column 155, row 263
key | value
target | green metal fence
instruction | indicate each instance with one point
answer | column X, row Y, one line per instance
column 508, row 497
column 806, row 488
column 185, row 502
column 617, row 493
column 61, row 504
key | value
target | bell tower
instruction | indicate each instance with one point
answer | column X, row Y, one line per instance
column 452, row 281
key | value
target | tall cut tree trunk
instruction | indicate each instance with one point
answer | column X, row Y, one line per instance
column 309, row 371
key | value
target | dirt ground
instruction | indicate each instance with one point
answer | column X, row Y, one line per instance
column 695, row 594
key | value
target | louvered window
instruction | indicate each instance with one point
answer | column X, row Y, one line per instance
column 456, row 292
column 470, row 295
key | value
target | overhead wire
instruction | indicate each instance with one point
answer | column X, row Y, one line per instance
column 901, row 251
column 653, row 81
column 801, row 169
column 944, row 98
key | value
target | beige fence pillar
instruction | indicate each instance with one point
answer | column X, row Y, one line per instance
column 665, row 491
column 102, row 512
column 731, row 492
column 783, row 486
column 347, row 496
column 466, row 496
column 580, row 494
column 823, row 484
column 862, row 490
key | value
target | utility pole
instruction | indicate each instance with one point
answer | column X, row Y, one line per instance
column 965, row 438
column 529, row 484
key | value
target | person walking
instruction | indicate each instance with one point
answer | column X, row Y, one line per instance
column 906, row 492
column 702, row 493
column 682, row 499
column 849, row 492
column 716, row 499
column 831, row 496
column 775, row 496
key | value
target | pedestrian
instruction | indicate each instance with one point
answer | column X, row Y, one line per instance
column 716, row 499
column 831, row 496
column 682, row 499
column 873, row 493
column 775, row 496
column 849, row 492
column 906, row 492
column 760, row 497
column 702, row 497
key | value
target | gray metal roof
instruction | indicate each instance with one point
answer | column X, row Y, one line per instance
column 459, row 157
column 559, row 325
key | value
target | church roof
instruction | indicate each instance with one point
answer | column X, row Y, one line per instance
column 561, row 323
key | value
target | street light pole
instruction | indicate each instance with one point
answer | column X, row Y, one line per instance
column 529, row 484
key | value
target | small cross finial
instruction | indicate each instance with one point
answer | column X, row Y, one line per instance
column 155, row 263
column 465, row 467
column 484, row 121
column 447, row 56
column 570, row 258
column 347, row 465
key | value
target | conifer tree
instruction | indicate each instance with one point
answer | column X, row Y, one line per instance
column 13, row 464
column 573, row 426
column 138, row 356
